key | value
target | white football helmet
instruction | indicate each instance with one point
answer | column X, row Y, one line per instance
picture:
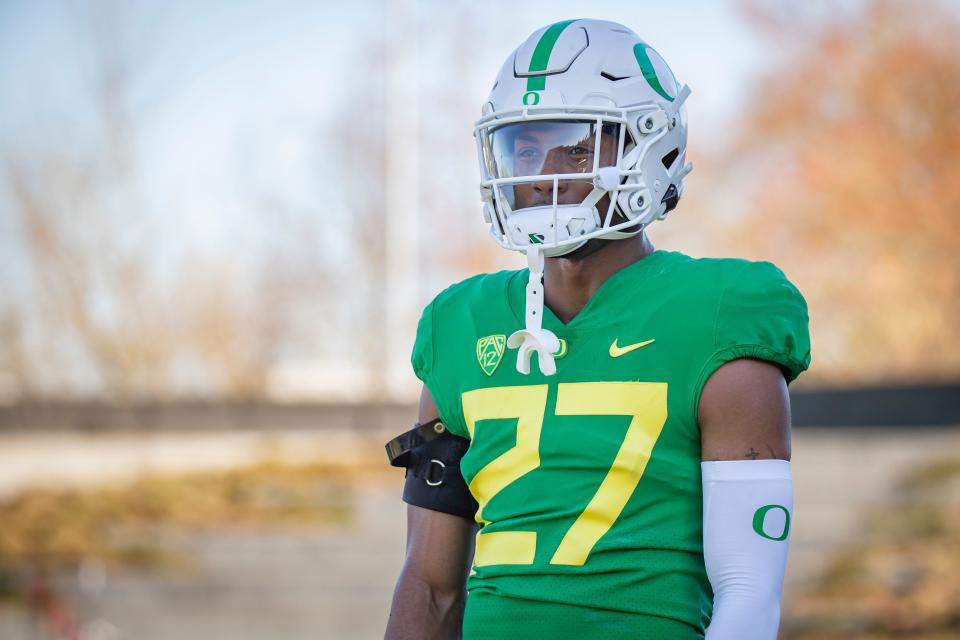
column 570, row 90
column 582, row 77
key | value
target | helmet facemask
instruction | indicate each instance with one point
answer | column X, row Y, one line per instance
column 546, row 176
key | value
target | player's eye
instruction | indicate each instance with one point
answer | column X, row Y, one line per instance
column 528, row 154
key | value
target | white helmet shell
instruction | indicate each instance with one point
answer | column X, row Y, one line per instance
column 586, row 71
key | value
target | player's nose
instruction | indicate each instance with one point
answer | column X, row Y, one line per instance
column 545, row 187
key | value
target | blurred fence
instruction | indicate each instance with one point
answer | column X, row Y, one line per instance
column 886, row 406
column 901, row 406
column 201, row 416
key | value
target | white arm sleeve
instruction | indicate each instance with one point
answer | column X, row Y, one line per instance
column 747, row 508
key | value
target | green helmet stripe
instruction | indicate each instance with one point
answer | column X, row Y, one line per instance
column 640, row 53
column 541, row 54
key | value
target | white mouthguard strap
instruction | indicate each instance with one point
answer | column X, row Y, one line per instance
column 534, row 338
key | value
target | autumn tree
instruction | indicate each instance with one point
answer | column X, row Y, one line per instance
column 850, row 144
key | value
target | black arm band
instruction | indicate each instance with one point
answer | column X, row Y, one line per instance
column 431, row 455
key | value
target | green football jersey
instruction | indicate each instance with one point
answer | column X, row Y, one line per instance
column 588, row 481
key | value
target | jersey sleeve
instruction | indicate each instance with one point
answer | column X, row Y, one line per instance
column 436, row 378
column 422, row 357
column 762, row 315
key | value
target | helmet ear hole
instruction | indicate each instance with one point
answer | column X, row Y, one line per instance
column 671, row 198
column 670, row 158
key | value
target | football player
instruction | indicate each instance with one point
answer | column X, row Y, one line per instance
column 603, row 445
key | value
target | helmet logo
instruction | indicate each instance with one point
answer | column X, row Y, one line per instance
column 535, row 238
column 649, row 72
column 540, row 60
column 490, row 352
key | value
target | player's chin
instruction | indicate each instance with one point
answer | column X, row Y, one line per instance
column 537, row 202
column 527, row 197
column 587, row 249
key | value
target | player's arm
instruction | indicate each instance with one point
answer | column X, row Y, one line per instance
column 744, row 413
column 744, row 417
column 430, row 595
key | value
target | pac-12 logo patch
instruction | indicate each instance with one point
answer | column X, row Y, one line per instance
column 490, row 352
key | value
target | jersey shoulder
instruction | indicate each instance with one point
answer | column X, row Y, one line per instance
column 759, row 313
column 452, row 306
column 735, row 278
column 474, row 292
column 714, row 272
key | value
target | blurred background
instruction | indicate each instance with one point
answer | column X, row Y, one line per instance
column 219, row 223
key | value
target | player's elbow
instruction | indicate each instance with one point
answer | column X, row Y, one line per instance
column 440, row 585
column 425, row 605
column 745, row 611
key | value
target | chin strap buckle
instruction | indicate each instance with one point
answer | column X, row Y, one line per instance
column 534, row 338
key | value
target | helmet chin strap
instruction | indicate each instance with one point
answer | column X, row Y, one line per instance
column 534, row 338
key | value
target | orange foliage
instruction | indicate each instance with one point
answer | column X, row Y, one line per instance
column 853, row 138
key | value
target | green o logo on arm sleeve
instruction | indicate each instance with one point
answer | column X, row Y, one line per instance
column 761, row 514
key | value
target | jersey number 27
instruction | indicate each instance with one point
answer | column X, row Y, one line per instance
column 644, row 402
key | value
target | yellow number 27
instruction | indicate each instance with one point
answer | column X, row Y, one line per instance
column 644, row 402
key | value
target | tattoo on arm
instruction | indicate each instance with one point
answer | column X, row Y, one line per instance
column 753, row 454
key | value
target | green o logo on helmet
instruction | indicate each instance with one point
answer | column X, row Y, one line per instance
column 761, row 515
column 531, row 98
column 641, row 53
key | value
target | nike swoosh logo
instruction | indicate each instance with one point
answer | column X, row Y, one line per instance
column 616, row 352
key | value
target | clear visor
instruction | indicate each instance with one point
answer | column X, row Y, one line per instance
column 549, row 147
